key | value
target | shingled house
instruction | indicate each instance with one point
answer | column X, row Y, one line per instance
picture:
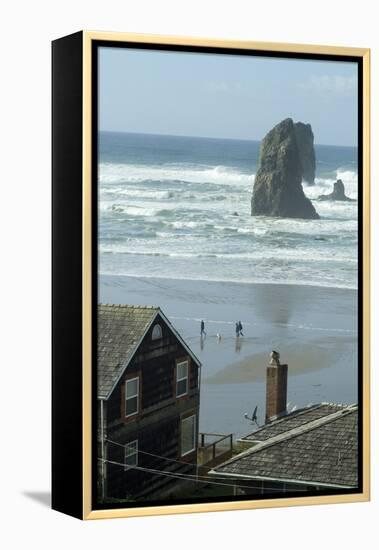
column 310, row 449
column 148, row 403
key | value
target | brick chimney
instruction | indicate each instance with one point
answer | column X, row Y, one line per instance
column 276, row 389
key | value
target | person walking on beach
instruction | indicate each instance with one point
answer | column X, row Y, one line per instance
column 237, row 329
column 202, row 327
column 240, row 328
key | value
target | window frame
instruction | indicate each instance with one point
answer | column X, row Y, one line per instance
column 159, row 329
column 177, row 380
column 137, row 395
column 194, row 416
column 135, row 453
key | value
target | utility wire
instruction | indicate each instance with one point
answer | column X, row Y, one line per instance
column 184, row 463
column 158, row 456
column 189, row 476
column 186, row 477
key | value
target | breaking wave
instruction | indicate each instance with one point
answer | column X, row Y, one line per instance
column 195, row 217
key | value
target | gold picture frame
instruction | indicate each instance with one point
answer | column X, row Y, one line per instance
column 73, row 55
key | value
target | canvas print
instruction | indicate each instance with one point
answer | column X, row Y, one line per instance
column 228, row 199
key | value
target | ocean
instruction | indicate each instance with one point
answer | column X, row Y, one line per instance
column 175, row 230
column 179, row 208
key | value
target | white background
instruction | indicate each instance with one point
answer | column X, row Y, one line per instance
column 27, row 29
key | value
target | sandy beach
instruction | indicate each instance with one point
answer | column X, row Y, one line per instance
column 313, row 328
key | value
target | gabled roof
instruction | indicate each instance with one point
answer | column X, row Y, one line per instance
column 322, row 451
column 121, row 329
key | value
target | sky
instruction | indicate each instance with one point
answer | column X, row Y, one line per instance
column 223, row 96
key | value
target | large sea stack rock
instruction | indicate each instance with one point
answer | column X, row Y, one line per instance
column 338, row 193
column 305, row 145
column 277, row 187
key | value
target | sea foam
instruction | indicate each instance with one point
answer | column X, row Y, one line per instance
column 195, row 218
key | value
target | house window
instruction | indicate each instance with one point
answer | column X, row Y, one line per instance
column 131, row 396
column 157, row 332
column 188, row 435
column 181, row 378
column 131, row 454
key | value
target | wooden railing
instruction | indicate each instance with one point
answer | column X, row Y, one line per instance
column 214, row 448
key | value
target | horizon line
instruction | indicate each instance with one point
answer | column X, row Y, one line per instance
column 210, row 137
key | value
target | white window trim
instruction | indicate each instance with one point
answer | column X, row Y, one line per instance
column 194, row 434
column 127, row 466
column 132, row 396
column 183, row 378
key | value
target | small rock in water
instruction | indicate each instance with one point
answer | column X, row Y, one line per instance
column 338, row 193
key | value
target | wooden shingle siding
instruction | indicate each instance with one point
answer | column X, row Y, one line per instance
column 158, row 438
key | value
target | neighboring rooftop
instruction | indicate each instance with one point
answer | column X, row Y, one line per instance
column 292, row 420
column 120, row 330
column 316, row 446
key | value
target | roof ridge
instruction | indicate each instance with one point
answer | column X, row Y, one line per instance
column 293, row 414
column 130, row 306
column 281, row 419
column 148, row 320
column 295, row 432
